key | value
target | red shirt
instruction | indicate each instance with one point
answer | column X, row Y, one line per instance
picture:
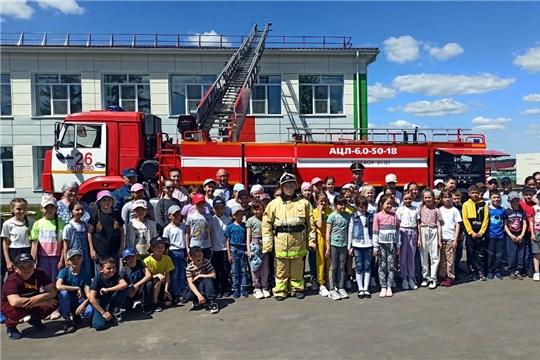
column 528, row 209
column 25, row 288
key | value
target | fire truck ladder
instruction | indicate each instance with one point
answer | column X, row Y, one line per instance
column 224, row 105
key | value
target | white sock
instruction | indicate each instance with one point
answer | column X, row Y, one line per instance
column 367, row 277
column 359, row 278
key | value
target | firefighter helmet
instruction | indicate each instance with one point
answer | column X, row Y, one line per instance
column 286, row 177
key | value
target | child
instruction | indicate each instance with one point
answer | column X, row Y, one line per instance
column 139, row 280
column 176, row 233
column 307, row 191
column 220, row 262
column 409, row 220
column 128, row 210
column 336, row 246
column 160, row 267
column 254, row 250
column 320, row 214
column 200, row 274
column 237, row 252
column 527, row 204
column 360, row 244
column 330, row 185
column 475, row 215
column 198, row 229
column 437, row 198
column 73, row 284
column 15, row 233
column 369, row 192
column 140, row 229
column 535, row 238
column 76, row 237
column 429, row 238
column 167, row 200
column 386, row 243
column 105, row 230
column 415, row 191
column 495, row 240
column 458, row 252
column 515, row 227
column 108, row 292
column 450, row 234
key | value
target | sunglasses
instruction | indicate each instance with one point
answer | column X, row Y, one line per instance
column 169, row 187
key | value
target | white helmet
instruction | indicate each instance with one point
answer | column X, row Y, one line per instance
column 286, row 177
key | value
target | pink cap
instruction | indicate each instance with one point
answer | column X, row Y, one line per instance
column 316, row 180
column 305, row 185
column 136, row 187
column 197, row 198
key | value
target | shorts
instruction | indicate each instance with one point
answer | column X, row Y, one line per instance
column 535, row 245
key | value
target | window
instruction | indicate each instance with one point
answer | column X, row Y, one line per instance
column 39, row 159
column 87, row 136
column 7, row 180
column 321, row 94
column 5, row 100
column 58, row 94
column 266, row 95
column 188, row 90
column 130, row 91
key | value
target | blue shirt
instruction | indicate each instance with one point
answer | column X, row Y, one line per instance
column 496, row 222
column 122, row 196
column 236, row 233
column 80, row 280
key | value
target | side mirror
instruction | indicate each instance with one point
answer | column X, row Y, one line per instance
column 57, row 127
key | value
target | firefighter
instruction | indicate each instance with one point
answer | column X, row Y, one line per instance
column 357, row 169
column 287, row 228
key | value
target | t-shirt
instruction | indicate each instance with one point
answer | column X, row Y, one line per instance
column 80, row 280
column 514, row 220
column 17, row 232
column 49, row 237
column 429, row 217
column 134, row 274
column 162, row 209
column 139, row 234
column 450, row 218
column 255, row 225
column 408, row 216
column 159, row 267
column 321, row 232
column 15, row 285
column 496, row 222
column 100, row 282
column 236, row 233
column 106, row 241
column 176, row 236
column 192, row 209
column 528, row 208
column 76, row 234
column 199, row 227
column 192, row 270
column 536, row 218
column 219, row 224
column 340, row 227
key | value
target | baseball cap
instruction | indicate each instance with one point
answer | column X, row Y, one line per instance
column 242, row 193
column 136, row 187
column 256, row 188
column 236, row 208
column 506, row 179
column 128, row 252
column 208, row 181
column 481, row 185
column 264, row 196
column 436, row 192
column 129, row 172
column 528, row 189
column 173, row 209
column 197, row 198
column 194, row 250
column 22, row 258
column 238, row 187
column 316, row 180
column 437, row 182
column 305, row 185
column 104, row 193
column 491, row 179
column 218, row 202
column 390, row 178
column 513, row 195
column 74, row 252
column 219, row 193
column 158, row 240
column 348, row 186
column 48, row 200
column 139, row 203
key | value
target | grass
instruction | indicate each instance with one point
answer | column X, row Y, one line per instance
column 6, row 211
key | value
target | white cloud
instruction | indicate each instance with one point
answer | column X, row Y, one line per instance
column 531, row 112
column 20, row 9
column 446, row 52
column 486, row 124
column 448, row 84
column 441, row 107
column 489, row 127
column 402, row 124
column 17, row 9
column 532, row 98
column 379, row 92
column 209, row 39
column 401, row 49
column 530, row 60
column 64, row 6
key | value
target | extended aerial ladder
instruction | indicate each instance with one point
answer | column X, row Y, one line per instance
column 225, row 104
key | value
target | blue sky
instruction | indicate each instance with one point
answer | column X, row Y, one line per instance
column 442, row 64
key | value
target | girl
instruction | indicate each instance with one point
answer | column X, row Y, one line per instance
column 415, row 191
column 386, row 243
column 369, row 192
column 307, row 192
column 140, row 230
column 105, row 230
column 137, row 193
column 15, row 232
column 361, row 245
column 320, row 214
column 75, row 234
column 254, row 249
column 450, row 234
column 430, row 238
column 409, row 220
column 167, row 200
column 388, row 190
column 46, row 237
column 330, row 185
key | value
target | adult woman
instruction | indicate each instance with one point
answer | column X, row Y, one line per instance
column 70, row 192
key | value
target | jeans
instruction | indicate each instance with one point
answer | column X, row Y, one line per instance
column 68, row 303
column 527, row 253
column 222, row 267
column 475, row 254
column 112, row 305
column 338, row 256
column 205, row 287
column 178, row 275
column 362, row 259
column 312, row 261
column 515, row 255
column 239, row 267
column 145, row 294
column 494, row 253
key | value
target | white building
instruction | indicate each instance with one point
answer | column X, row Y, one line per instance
column 526, row 165
column 317, row 82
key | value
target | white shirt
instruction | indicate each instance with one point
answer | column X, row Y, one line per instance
column 176, row 236
column 219, row 224
column 408, row 216
column 450, row 217
column 17, row 233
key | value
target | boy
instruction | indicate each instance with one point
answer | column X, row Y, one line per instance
column 73, row 284
column 450, row 234
column 527, row 204
column 456, row 201
column 259, row 273
column 139, row 280
column 164, row 204
column 535, row 237
column 237, row 252
column 176, row 233
column 200, row 275
column 495, row 241
column 107, row 295
column 220, row 262
column 21, row 295
column 160, row 267
column 475, row 220
column 515, row 227
column 198, row 229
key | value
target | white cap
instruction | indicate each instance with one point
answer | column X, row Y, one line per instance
column 348, row 186
column 256, row 187
column 489, row 178
column 219, row 193
column 390, row 178
column 236, row 208
column 437, row 182
column 139, row 203
column 208, row 181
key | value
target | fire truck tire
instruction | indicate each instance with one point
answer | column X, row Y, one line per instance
column 149, row 169
column 90, row 197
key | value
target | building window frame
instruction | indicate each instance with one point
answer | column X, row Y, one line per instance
column 326, row 93
column 272, row 84
column 130, row 92
column 7, row 164
column 38, row 157
column 6, row 91
column 62, row 92
column 182, row 84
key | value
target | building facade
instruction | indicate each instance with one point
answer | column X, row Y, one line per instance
column 319, row 83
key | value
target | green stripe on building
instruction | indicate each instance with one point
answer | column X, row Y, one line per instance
column 363, row 101
column 355, row 100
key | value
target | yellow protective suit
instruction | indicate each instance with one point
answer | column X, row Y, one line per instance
column 289, row 248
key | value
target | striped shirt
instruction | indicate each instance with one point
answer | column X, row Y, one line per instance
column 385, row 229
column 193, row 270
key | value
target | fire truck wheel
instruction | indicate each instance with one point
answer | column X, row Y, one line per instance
column 90, row 197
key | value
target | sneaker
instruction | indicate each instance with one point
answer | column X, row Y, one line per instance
column 472, row 277
column 405, row 285
column 77, row 319
column 334, row 295
column 147, row 309
column 258, row 294
column 343, row 294
column 482, row 277
column 158, row 308
column 389, row 292
column 118, row 317
column 266, row 293
column 361, row 294
column 323, row 291
column 444, row 282
column 299, row 295
column 226, row 294
column 69, row 327
column 432, row 284
column 55, row 315
column 36, row 323
column 536, row 277
column 314, row 285
column 490, row 276
column 383, row 293
column 424, row 283
column 372, row 282
column 530, row 273
column 214, row 309
column 498, row 276
column 244, row 293
column 236, row 294
column 220, row 295
column 13, row 333
column 279, row 298
column 367, row 294
column 519, row 276
column 449, row 282
column 412, row 285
